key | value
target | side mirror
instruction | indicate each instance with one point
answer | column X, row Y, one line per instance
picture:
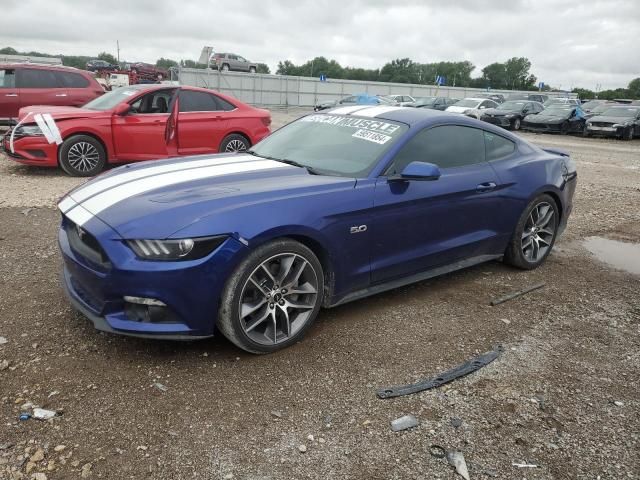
column 418, row 171
column 122, row 109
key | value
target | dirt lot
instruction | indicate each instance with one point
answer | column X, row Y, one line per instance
column 563, row 396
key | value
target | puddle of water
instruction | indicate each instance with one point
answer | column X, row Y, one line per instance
column 621, row 255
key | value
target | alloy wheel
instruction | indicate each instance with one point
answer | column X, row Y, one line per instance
column 278, row 299
column 235, row 146
column 538, row 232
column 83, row 156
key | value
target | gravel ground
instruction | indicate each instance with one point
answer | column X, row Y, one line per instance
column 563, row 396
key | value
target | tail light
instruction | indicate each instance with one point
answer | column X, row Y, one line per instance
column 266, row 120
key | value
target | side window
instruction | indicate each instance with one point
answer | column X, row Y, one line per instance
column 72, row 80
column 351, row 99
column 7, row 78
column 448, row 146
column 191, row 101
column 497, row 147
column 154, row 102
column 35, row 78
column 486, row 104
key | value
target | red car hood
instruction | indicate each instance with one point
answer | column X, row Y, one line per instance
column 58, row 113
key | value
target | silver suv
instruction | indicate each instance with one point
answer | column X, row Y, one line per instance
column 231, row 61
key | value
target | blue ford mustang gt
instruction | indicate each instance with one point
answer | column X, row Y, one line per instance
column 330, row 208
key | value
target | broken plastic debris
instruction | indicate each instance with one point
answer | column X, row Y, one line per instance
column 456, row 459
column 161, row 387
column 403, row 423
column 524, row 465
column 42, row 414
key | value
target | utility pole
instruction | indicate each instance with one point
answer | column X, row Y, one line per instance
column 118, row 48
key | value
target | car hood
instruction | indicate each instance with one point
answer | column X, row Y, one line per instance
column 195, row 196
column 58, row 113
column 542, row 118
column 456, row 109
column 605, row 119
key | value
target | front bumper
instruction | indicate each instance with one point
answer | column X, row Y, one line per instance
column 190, row 290
column 605, row 131
column 541, row 127
column 500, row 121
column 30, row 150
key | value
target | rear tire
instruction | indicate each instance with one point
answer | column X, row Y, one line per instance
column 234, row 143
column 628, row 134
column 534, row 235
column 225, row 67
column 272, row 298
column 564, row 128
column 252, row 69
column 82, row 156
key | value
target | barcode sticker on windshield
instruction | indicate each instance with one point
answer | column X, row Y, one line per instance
column 372, row 136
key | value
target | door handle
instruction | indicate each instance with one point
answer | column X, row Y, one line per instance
column 485, row 187
column 11, row 95
column 61, row 94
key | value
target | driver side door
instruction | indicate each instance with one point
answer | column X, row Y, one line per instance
column 423, row 224
column 141, row 133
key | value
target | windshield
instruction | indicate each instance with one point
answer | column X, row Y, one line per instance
column 591, row 104
column 340, row 145
column 426, row 100
column 601, row 108
column 518, row 96
column 469, row 103
column 557, row 111
column 621, row 112
column 514, row 106
column 111, row 99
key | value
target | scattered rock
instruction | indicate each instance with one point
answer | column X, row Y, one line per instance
column 4, row 364
column 618, row 403
column 302, row 448
column 29, row 468
column 38, row 456
column 404, row 423
column 3, row 340
column 228, row 476
column 59, row 448
column 86, row 470
column 39, row 476
column 276, row 413
column 456, row 422
column 456, row 460
column 161, row 387
column 142, row 447
column 310, row 438
column 506, row 321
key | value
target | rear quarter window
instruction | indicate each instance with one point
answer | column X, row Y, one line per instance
column 497, row 147
column 72, row 80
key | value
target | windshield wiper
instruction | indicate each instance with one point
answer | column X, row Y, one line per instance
column 309, row 169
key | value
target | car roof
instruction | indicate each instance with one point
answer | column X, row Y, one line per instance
column 43, row 66
column 477, row 99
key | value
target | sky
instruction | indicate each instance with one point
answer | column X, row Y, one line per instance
column 570, row 43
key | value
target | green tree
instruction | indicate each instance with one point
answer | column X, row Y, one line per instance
column 584, row 94
column 107, row 57
column 262, row 68
column 9, row 51
column 634, row 88
column 495, row 75
column 166, row 63
column 400, row 70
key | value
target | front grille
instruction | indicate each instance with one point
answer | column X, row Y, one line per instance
column 601, row 124
column 85, row 245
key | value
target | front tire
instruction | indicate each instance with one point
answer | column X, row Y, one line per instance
column 272, row 298
column 564, row 128
column 252, row 70
column 82, row 156
column 628, row 134
column 516, row 124
column 234, row 143
column 225, row 67
column 534, row 235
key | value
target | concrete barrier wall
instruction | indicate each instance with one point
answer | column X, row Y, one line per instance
column 281, row 90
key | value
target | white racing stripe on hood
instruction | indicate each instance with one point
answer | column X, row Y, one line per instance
column 79, row 215
column 372, row 112
column 100, row 185
column 106, row 199
column 66, row 204
column 348, row 110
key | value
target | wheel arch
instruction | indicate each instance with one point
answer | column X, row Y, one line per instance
column 93, row 135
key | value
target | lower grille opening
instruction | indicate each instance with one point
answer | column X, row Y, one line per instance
column 85, row 244
column 149, row 313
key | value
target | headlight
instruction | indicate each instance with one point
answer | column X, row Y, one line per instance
column 618, row 125
column 171, row 250
column 509, row 115
column 28, row 131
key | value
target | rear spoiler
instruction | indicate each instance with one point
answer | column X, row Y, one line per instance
column 557, row 151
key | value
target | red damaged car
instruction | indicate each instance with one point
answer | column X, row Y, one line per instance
column 140, row 122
